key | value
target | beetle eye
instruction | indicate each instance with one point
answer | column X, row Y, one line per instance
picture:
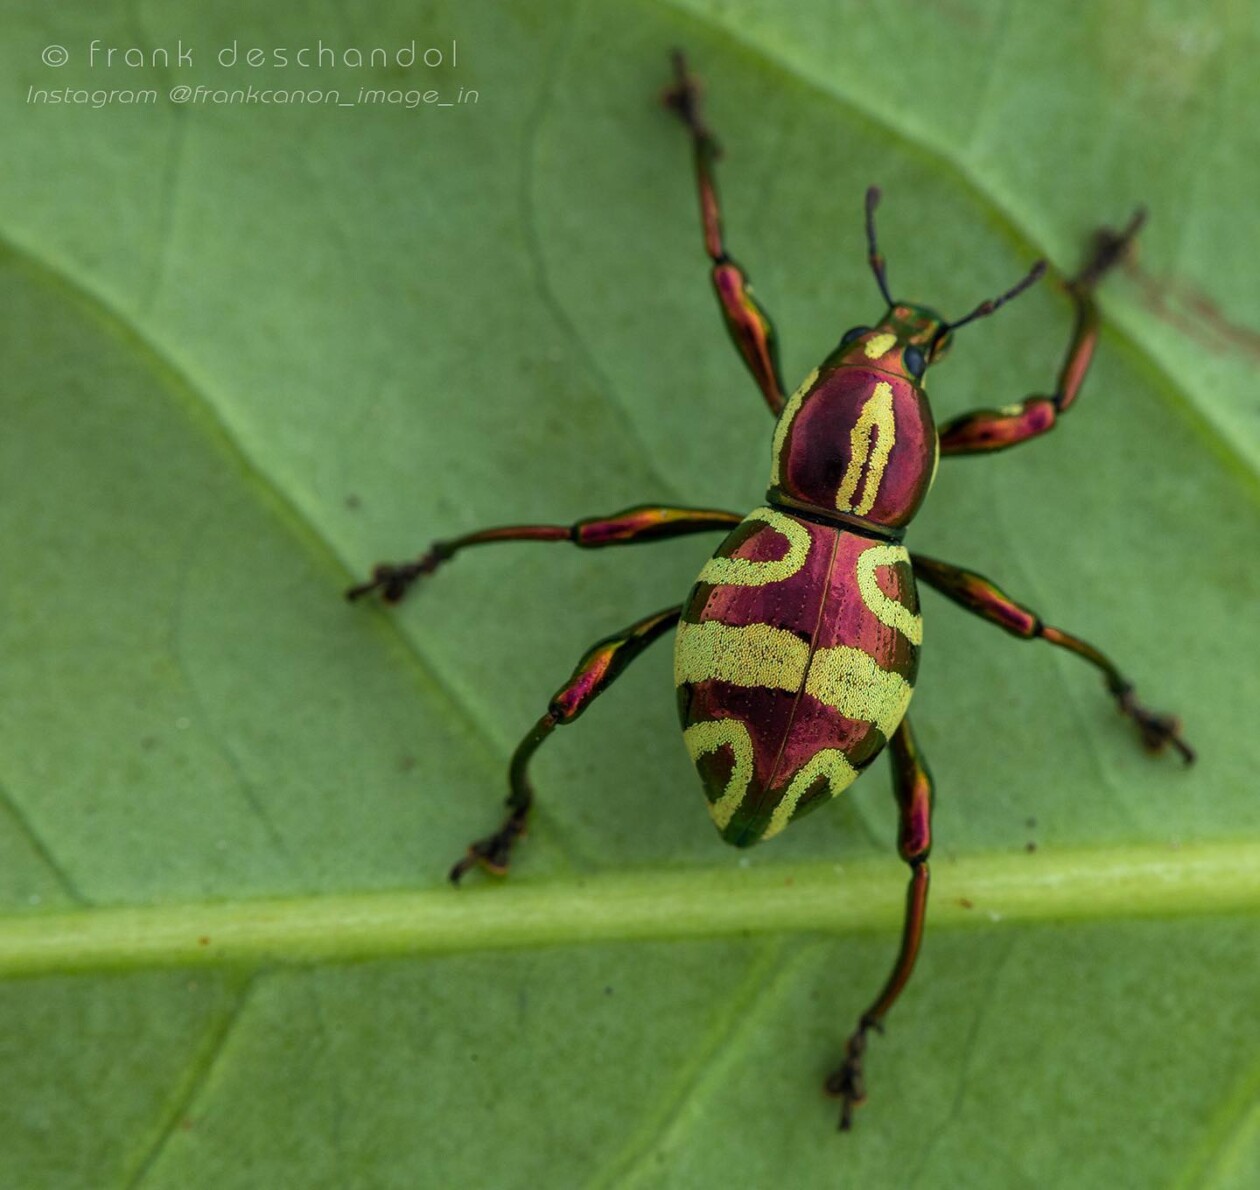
column 912, row 357
column 852, row 334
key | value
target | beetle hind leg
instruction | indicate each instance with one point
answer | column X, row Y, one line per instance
column 599, row 667
column 912, row 788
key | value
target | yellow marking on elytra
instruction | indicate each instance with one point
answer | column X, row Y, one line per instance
column 885, row 610
column 830, row 763
column 874, row 421
column 746, row 572
column 702, row 738
column 879, row 345
column 850, row 681
column 788, row 412
column 747, row 655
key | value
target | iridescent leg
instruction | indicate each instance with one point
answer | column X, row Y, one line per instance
column 645, row 522
column 749, row 325
column 912, row 787
column 984, row 430
column 977, row 594
column 602, row 664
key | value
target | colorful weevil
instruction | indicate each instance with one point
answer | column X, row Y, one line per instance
column 796, row 652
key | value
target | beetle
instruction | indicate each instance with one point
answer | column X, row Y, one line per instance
column 796, row 651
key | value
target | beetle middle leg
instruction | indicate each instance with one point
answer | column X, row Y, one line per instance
column 599, row 667
column 977, row 594
column 749, row 325
column 912, row 787
column 644, row 522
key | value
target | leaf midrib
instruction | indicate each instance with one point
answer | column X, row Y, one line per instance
column 1052, row 885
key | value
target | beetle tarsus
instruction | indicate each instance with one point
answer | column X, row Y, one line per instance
column 1159, row 731
column 847, row 1083
column 683, row 99
column 394, row 579
column 1108, row 248
column 494, row 852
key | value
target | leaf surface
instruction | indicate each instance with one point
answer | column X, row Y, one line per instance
column 252, row 348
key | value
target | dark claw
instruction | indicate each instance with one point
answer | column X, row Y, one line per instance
column 470, row 861
column 683, row 96
column 494, row 852
column 683, row 99
column 847, row 1083
column 1158, row 731
column 1109, row 248
column 394, row 579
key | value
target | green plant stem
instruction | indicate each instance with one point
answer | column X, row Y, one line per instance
column 1073, row 885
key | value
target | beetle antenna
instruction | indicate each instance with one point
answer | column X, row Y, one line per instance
column 872, row 249
column 984, row 309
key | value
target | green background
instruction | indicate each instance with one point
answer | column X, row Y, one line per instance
column 249, row 350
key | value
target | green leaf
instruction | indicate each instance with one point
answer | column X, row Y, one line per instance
column 251, row 348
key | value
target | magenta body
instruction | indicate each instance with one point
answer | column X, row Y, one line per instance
column 798, row 647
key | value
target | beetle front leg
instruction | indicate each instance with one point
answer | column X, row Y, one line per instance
column 601, row 665
column 644, row 522
column 985, row 430
column 749, row 325
column 912, row 787
column 977, row 594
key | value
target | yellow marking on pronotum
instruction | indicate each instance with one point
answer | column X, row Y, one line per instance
column 849, row 680
column 830, row 763
column 875, row 421
column 784, row 423
column 745, row 572
column 749, row 655
column 885, row 610
column 702, row 738
column 879, row 345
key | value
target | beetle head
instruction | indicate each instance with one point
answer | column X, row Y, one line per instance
column 904, row 343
